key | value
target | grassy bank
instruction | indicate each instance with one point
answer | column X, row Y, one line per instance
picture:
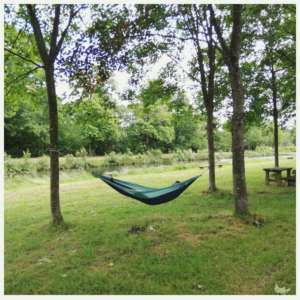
column 192, row 245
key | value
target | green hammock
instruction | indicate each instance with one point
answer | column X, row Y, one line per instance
column 147, row 195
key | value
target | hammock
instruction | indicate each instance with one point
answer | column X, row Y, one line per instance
column 147, row 195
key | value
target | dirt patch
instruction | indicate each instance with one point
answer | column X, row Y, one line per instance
column 160, row 249
column 258, row 286
column 229, row 227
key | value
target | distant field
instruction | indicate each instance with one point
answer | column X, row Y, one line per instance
column 192, row 245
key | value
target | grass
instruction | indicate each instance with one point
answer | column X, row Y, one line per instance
column 192, row 245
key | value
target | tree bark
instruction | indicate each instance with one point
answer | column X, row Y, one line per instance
column 207, row 80
column 231, row 54
column 238, row 161
column 54, row 153
column 48, row 57
column 275, row 117
column 211, row 151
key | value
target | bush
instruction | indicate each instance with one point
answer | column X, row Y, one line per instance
column 43, row 164
column 154, row 156
column 287, row 149
column 81, row 153
column 25, row 164
column 178, row 155
column 264, row 150
column 69, row 162
column 202, row 155
column 11, row 167
column 128, row 159
column 113, row 159
column 185, row 155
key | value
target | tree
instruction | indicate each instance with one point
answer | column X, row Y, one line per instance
column 196, row 24
column 119, row 37
column 152, row 128
column 94, row 123
column 48, row 57
column 189, row 125
column 25, row 110
column 231, row 55
column 274, row 75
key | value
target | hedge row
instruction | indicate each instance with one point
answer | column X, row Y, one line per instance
column 28, row 165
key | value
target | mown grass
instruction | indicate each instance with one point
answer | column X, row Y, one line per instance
column 192, row 245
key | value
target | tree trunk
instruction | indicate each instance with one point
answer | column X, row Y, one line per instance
column 231, row 55
column 211, row 150
column 238, row 162
column 275, row 117
column 54, row 154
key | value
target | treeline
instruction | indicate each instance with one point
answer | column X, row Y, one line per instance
column 161, row 118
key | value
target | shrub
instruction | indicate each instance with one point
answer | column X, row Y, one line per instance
column 70, row 162
column 10, row 167
column 81, row 153
column 154, row 156
column 25, row 163
column 287, row 149
column 26, row 154
column 178, row 155
column 43, row 164
column 128, row 158
column 113, row 159
column 265, row 150
column 185, row 155
column 6, row 156
column 167, row 159
column 202, row 155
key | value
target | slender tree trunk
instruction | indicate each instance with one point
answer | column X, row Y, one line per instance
column 211, row 150
column 199, row 18
column 231, row 55
column 48, row 56
column 275, row 117
column 54, row 154
column 238, row 162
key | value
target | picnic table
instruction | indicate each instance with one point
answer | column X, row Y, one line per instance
column 277, row 175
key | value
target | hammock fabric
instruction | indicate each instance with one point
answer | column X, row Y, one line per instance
column 147, row 195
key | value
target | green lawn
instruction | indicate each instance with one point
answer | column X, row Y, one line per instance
column 196, row 247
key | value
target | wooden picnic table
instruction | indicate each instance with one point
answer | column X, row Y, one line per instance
column 278, row 174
